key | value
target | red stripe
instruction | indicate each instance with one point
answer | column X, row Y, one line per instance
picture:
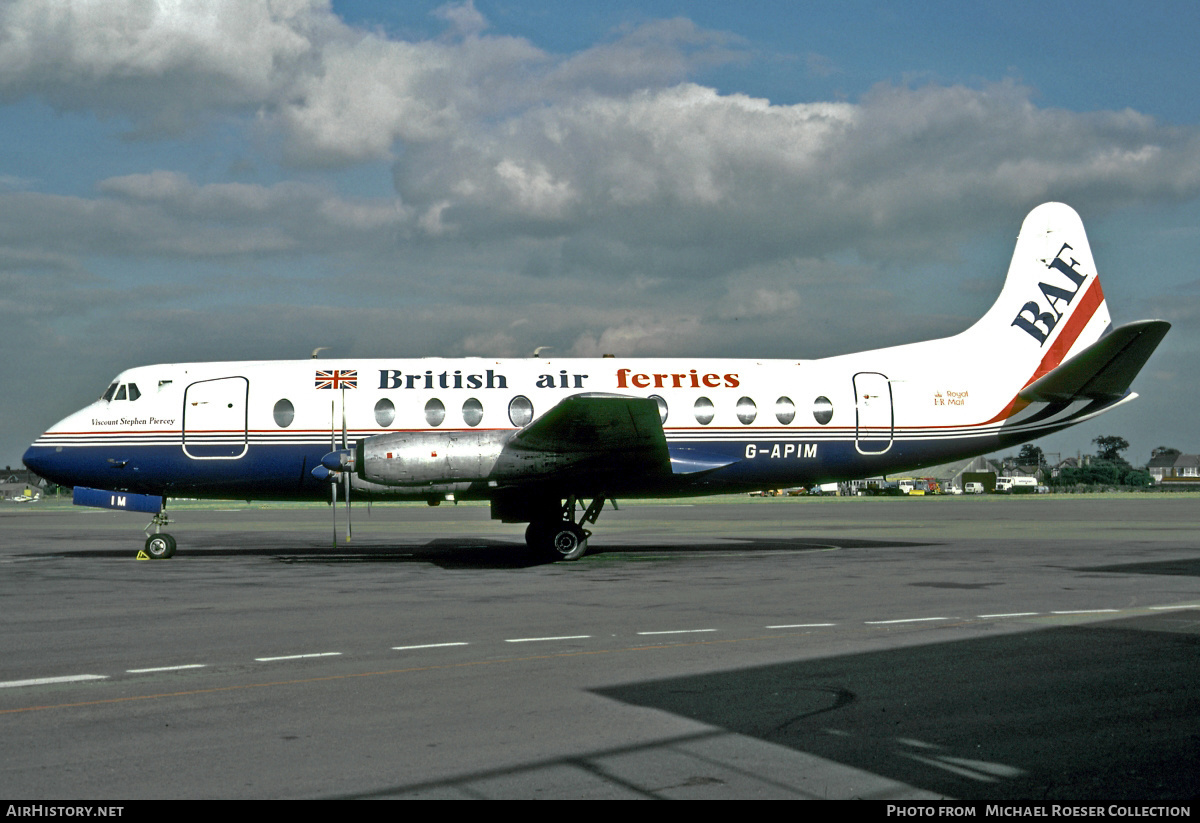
column 1091, row 300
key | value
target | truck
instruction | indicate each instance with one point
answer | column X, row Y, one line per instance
column 1016, row 485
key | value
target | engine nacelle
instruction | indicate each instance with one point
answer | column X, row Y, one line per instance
column 429, row 458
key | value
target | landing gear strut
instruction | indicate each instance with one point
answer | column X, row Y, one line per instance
column 160, row 545
column 563, row 538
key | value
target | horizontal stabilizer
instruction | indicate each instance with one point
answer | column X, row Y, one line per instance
column 1102, row 371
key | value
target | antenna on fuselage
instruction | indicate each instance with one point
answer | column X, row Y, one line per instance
column 318, row 350
column 538, row 351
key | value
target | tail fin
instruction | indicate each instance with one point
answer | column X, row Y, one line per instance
column 1051, row 328
column 1052, row 306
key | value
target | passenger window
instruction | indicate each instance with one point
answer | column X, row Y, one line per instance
column 785, row 410
column 435, row 412
column 746, row 411
column 662, row 408
column 472, row 412
column 520, row 411
column 284, row 413
column 385, row 413
column 704, row 411
column 822, row 410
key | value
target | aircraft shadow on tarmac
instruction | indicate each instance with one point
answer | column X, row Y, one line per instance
column 1188, row 567
column 1104, row 712
column 460, row 553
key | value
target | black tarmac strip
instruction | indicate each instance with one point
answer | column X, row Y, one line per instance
column 1003, row 651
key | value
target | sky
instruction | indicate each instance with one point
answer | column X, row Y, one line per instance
column 189, row 180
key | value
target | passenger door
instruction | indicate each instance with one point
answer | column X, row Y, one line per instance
column 874, row 420
column 214, row 419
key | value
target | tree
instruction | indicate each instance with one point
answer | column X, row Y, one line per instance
column 1032, row 455
column 1164, row 451
column 1110, row 447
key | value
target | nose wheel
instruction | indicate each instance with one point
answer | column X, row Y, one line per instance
column 160, row 546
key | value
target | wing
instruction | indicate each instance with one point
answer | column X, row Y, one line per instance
column 596, row 433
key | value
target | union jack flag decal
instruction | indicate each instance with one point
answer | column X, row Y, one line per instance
column 337, row 379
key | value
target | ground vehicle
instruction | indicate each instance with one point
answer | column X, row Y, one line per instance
column 1016, row 485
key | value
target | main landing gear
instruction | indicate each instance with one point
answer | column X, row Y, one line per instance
column 562, row 538
column 160, row 545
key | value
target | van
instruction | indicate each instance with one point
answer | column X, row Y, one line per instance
column 973, row 488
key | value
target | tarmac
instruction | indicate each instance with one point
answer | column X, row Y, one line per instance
column 998, row 649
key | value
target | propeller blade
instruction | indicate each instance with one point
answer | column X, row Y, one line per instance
column 349, row 528
column 345, row 474
column 333, row 485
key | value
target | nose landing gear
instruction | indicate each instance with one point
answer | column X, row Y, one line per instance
column 160, row 545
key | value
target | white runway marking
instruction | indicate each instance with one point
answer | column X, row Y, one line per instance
column 426, row 646
column 43, row 681
column 40, row 681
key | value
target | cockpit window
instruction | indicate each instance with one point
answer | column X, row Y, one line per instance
column 134, row 394
column 120, row 393
column 108, row 395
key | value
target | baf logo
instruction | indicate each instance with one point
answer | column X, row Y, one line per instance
column 1039, row 324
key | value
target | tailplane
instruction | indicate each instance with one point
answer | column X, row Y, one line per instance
column 1104, row 370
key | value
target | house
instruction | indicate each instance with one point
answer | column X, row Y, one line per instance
column 20, row 484
column 1180, row 471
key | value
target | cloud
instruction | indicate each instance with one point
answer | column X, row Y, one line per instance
column 163, row 214
column 602, row 163
column 491, row 135
column 464, row 19
column 335, row 93
column 698, row 183
column 157, row 63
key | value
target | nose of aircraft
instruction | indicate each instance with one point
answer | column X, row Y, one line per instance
column 40, row 461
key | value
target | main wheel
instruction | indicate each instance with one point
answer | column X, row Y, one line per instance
column 568, row 542
column 535, row 536
column 557, row 540
column 160, row 546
